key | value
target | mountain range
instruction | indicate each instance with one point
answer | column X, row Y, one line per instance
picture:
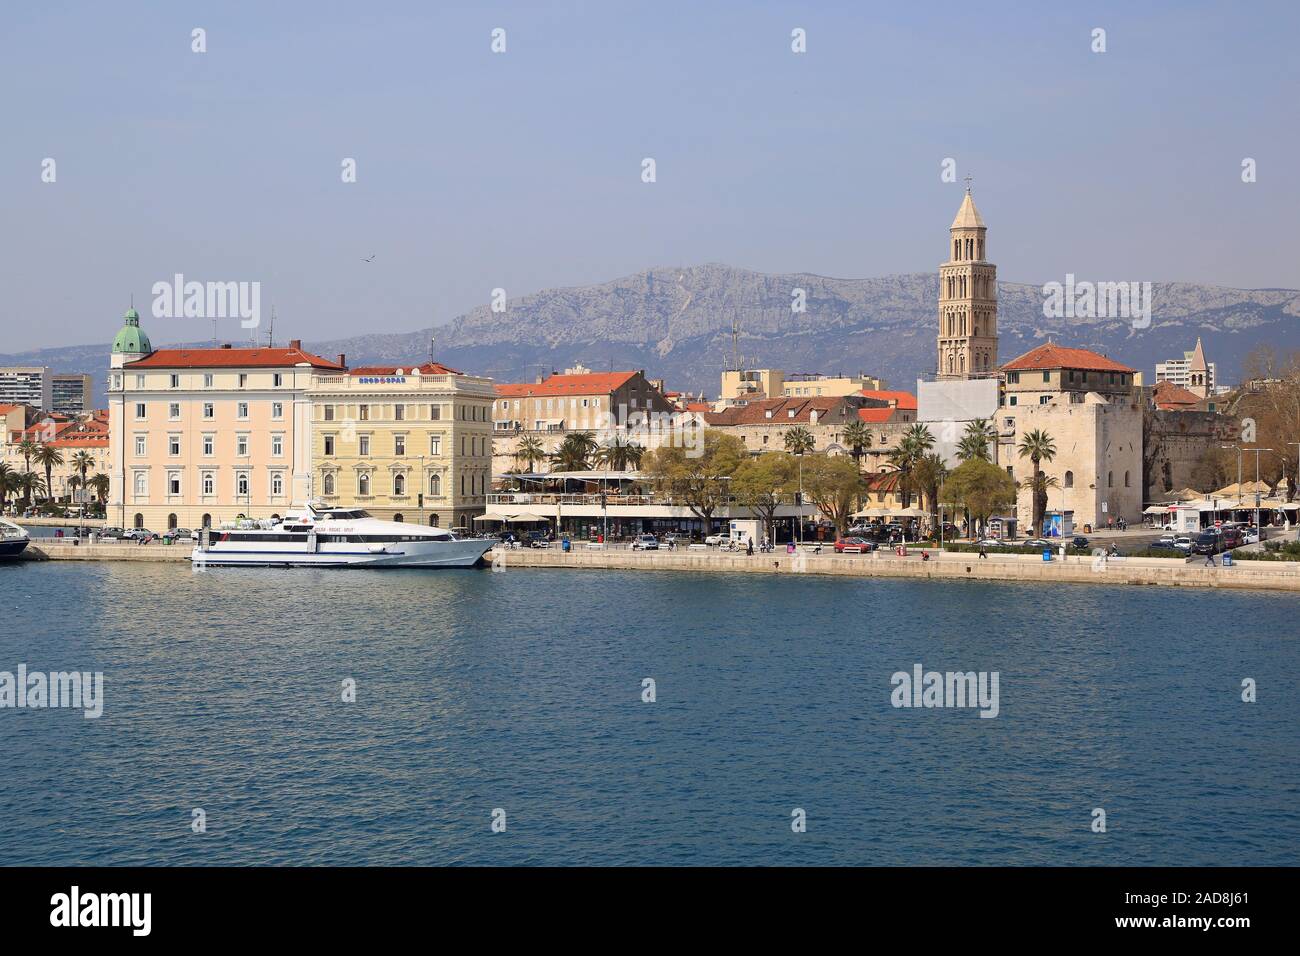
column 678, row 324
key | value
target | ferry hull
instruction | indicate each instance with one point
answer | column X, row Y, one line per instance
column 12, row 549
column 406, row 554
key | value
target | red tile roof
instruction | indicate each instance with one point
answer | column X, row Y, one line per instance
column 901, row 399
column 594, row 383
column 876, row 416
column 1169, row 396
column 428, row 368
column 756, row 413
column 233, row 358
column 1058, row 356
column 96, row 439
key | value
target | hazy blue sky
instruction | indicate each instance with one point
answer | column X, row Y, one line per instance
column 522, row 170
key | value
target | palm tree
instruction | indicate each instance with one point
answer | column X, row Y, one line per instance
column 1038, row 447
column 529, row 451
column 618, row 454
column 82, row 461
column 912, row 447
column 928, row 473
column 8, row 484
column 73, row 484
column 975, row 442
column 30, row 484
column 100, row 483
column 575, row 452
column 27, row 448
column 858, row 437
column 799, row 441
column 47, row 457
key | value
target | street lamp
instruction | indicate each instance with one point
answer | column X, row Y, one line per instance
column 1238, row 447
column 1258, row 530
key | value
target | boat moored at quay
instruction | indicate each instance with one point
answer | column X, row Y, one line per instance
column 13, row 540
column 319, row 536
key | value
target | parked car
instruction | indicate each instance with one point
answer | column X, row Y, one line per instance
column 990, row 543
column 1039, row 543
column 1166, row 542
column 645, row 542
column 715, row 540
column 854, row 545
column 178, row 534
column 673, row 540
column 113, row 533
column 1183, row 543
column 138, row 534
column 1079, row 543
column 1233, row 537
column 1250, row 536
column 1208, row 542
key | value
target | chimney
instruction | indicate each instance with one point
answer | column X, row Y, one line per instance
column 343, row 359
column 295, row 344
column 539, row 379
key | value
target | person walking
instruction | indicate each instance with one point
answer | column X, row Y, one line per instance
column 1209, row 560
column 983, row 552
column 749, row 547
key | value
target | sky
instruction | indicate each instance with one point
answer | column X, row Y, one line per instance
column 523, row 170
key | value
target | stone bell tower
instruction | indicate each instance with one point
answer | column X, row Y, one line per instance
column 968, row 300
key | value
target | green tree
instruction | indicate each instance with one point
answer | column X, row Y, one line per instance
column 857, row 435
column 799, row 441
column 31, row 485
column 575, row 452
column 928, row 473
column 763, row 482
column 980, row 489
column 27, row 448
column 48, row 457
column 620, row 454
column 101, row 483
column 82, row 461
column 8, row 484
column 915, row 443
column 1038, row 447
column 976, row 440
column 529, row 451
column 833, row 485
column 701, row 482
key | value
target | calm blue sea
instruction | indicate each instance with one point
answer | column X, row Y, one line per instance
column 522, row 691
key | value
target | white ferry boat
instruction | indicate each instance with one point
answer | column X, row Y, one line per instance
column 318, row 536
column 13, row 540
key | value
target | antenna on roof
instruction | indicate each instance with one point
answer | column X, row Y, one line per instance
column 270, row 333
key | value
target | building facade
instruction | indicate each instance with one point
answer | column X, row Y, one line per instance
column 201, row 436
column 968, row 300
column 72, row 394
column 27, row 385
column 409, row 443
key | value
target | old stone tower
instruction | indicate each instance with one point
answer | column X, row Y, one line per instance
column 968, row 301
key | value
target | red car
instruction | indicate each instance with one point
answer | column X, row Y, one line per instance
column 854, row 545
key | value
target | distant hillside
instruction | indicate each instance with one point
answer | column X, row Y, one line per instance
column 676, row 324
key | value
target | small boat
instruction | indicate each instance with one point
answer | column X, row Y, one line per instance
column 320, row 536
column 13, row 540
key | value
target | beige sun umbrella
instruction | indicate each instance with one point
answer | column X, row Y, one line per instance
column 874, row 512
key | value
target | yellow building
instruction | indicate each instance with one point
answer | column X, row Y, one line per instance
column 405, row 443
column 750, row 385
column 201, row 436
column 830, row 386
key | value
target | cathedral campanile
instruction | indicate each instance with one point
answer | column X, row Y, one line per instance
column 968, row 300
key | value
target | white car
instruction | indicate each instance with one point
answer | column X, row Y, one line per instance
column 645, row 542
column 715, row 540
column 989, row 543
column 1250, row 535
column 1183, row 543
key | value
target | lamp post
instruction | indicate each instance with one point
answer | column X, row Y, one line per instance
column 1238, row 447
column 1258, row 530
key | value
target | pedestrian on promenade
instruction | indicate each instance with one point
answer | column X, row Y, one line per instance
column 1209, row 560
column 983, row 553
column 749, row 548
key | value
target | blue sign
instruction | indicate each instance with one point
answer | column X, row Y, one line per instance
column 382, row 379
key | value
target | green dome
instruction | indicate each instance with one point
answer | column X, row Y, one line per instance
column 131, row 340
